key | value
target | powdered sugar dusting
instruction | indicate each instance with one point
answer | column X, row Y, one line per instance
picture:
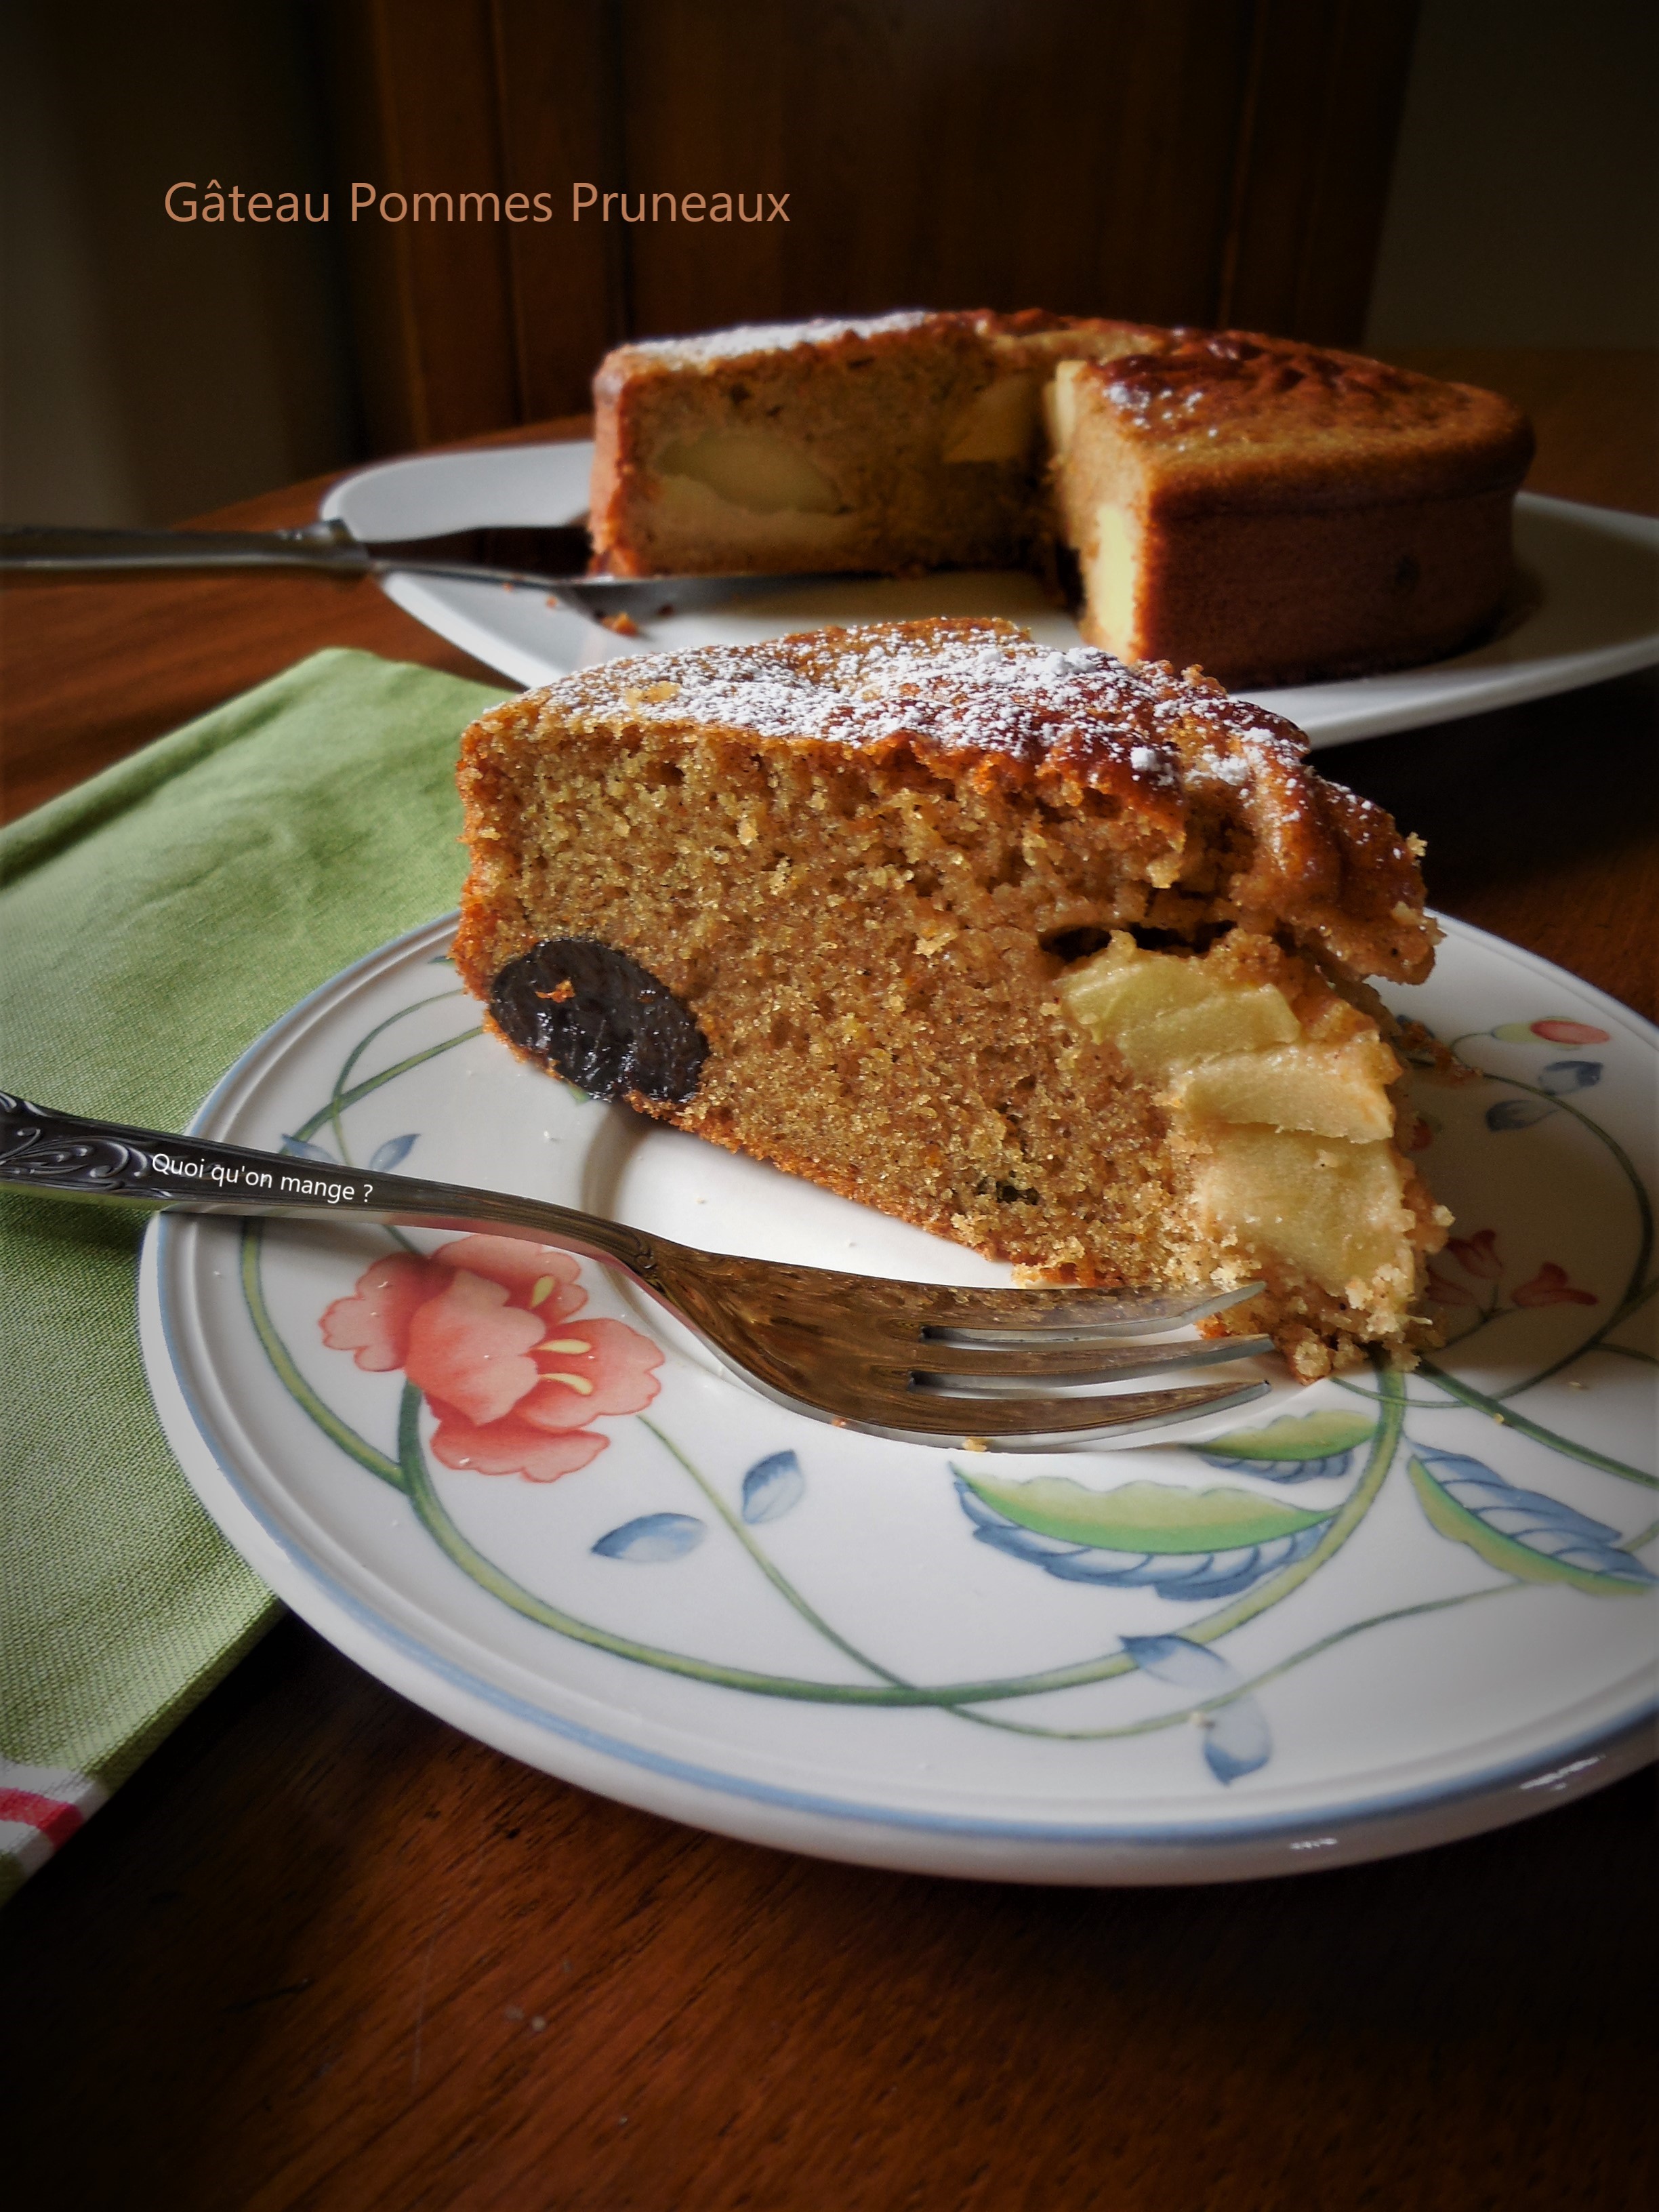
column 947, row 687
column 1205, row 796
column 764, row 337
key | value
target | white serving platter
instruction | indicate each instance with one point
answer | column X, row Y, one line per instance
column 1585, row 605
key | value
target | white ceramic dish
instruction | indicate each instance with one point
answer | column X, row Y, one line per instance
column 1586, row 601
column 1418, row 1621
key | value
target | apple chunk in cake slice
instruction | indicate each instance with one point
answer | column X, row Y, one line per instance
column 1279, row 1094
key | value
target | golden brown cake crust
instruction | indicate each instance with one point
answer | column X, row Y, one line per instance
column 1281, row 512
column 1235, row 415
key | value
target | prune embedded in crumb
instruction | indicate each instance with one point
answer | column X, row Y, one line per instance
column 600, row 1020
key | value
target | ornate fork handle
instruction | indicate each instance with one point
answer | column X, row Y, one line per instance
column 997, row 1370
column 75, row 1156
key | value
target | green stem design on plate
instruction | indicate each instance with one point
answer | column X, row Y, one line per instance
column 336, row 1103
column 459, row 1549
column 344, row 1098
column 1411, row 1404
column 1500, row 1409
column 781, row 1582
column 774, row 1574
column 417, row 1481
column 1231, row 1695
column 282, row 1361
column 340, row 1098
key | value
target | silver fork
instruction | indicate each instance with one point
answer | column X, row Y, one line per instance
column 923, row 1362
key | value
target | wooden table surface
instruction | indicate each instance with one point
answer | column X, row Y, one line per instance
column 324, row 1951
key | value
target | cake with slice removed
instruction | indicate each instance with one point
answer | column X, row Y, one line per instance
column 1271, row 511
column 1062, row 958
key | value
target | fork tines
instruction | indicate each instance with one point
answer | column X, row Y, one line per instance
column 1000, row 1316
column 1008, row 1369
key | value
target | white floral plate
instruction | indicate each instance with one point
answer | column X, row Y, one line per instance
column 1368, row 1616
column 1585, row 605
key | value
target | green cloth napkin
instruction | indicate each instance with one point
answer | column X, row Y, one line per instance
column 153, row 922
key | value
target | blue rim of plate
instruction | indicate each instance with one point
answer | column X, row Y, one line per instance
column 1538, row 1768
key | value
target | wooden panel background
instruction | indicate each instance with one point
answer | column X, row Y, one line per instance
column 1213, row 161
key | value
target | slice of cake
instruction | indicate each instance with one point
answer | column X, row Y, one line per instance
column 1063, row 959
column 1271, row 511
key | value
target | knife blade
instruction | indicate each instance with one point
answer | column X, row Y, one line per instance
column 551, row 559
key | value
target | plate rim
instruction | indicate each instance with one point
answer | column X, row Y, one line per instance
column 1228, row 1846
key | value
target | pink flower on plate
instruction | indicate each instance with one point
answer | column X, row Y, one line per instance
column 1558, row 1032
column 1477, row 1256
column 1550, row 1287
column 484, row 1329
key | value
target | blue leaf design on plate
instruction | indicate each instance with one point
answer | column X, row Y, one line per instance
column 773, row 1487
column 393, row 1153
column 652, row 1537
column 1237, row 1739
column 1177, row 1659
column 303, row 1148
column 1283, row 1470
column 1522, row 1532
column 1517, row 1114
column 1181, row 1576
column 1563, row 1075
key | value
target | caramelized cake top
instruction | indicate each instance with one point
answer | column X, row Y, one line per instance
column 1235, row 402
column 1193, row 789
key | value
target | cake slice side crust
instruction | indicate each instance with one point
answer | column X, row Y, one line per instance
column 1284, row 513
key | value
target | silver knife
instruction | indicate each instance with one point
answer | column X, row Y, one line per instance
column 551, row 560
